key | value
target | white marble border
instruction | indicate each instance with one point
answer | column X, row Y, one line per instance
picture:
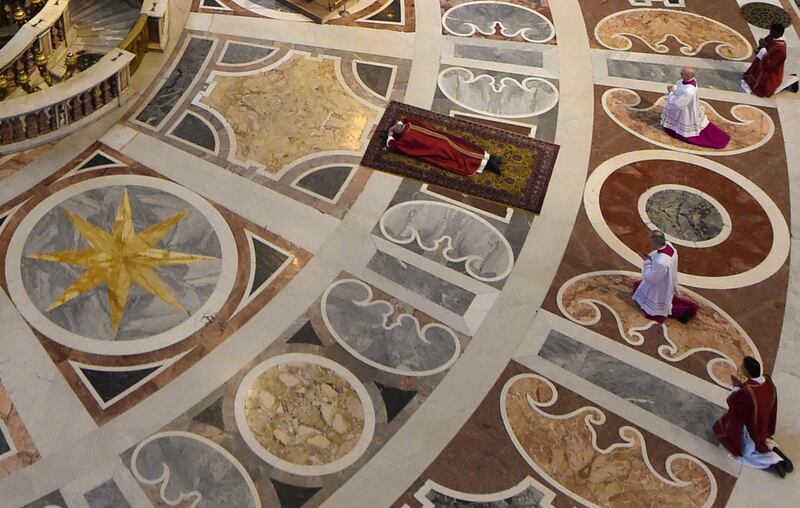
column 164, row 478
column 192, row 323
column 293, row 358
column 368, row 301
column 345, row 184
column 686, row 149
column 780, row 230
column 726, row 218
column 595, row 416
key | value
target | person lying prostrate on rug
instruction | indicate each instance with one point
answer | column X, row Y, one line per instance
column 417, row 140
column 684, row 119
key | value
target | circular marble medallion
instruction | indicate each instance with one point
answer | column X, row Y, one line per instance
column 121, row 264
column 686, row 215
column 304, row 414
column 751, row 249
column 764, row 15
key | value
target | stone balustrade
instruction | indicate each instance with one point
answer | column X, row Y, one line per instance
column 49, row 31
column 39, row 118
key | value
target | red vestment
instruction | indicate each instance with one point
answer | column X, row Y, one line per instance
column 765, row 76
column 447, row 152
column 754, row 406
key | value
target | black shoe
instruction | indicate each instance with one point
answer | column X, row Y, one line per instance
column 779, row 468
column 787, row 464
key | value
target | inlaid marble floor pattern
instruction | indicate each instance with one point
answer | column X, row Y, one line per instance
column 284, row 327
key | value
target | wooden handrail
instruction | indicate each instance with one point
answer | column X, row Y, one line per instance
column 136, row 41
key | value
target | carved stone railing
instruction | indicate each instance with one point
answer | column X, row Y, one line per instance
column 48, row 32
column 157, row 12
column 39, row 118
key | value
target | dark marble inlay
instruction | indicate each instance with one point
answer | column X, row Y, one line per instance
column 110, row 383
column 706, row 78
column 684, row 215
column 378, row 78
column 528, row 498
column 5, row 445
column 394, row 399
column 493, row 54
column 212, row 415
column 392, row 13
column 178, row 82
column 439, row 291
column 293, row 496
column 195, row 131
column 306, row 335
column 268, row 261
column 675, row 405
column 106, row 495
column 236, row 53
column 272, row 4
column 326, row 181
column 97, row 159
column 52, row 499
column 213, row 4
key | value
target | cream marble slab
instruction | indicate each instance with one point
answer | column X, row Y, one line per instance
column 499, row 67
column 428, row 43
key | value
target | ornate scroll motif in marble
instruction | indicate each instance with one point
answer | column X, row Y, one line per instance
column 654, row 26
column 752, row 129
column 505, row 97
column 712, row 330
column 563, row 449
column 362, row 326
column 463, row 236
column 514, row 20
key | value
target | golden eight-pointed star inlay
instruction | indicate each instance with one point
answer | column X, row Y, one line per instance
column 119, row 259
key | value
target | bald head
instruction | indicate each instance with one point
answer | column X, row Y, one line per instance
column 687, row 73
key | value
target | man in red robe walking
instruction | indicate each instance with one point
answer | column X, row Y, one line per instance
column 415, row 139
column 765, row 74
column 747, row 428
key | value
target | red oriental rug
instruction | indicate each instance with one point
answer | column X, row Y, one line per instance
column 527, row 162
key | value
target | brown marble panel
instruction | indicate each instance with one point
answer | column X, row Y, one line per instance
column 482, row 459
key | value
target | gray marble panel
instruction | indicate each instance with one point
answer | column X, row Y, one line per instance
column 106, row 495
column 377, row 78
column 5, row 445
column 504, row 55
column 528, row 498
column 665, row 400
column 177, row 83
column 236, row 53
column 195, row 131
column 373, row 332
column 684, row 215
column 439, row 291
column 187, row 465
column 326, row 181
column 663, row 73
column 50, row 500
column 272, row 4
column 145, row 315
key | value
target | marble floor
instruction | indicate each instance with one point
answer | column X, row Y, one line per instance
column 294, row 329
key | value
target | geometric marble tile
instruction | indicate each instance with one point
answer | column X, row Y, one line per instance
column 106, row 495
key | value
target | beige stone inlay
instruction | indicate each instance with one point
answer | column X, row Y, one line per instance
column 304, row 413
column 291, row 111
column 711, row 330
column 753, row 129
column 564, row 448
column 655, row 26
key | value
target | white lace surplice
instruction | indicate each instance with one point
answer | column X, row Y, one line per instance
column 659, row 283
column 682, row 112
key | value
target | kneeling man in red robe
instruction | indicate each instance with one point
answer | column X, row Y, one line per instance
column 765, row 74
column 412, row 138
column 747, row 428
